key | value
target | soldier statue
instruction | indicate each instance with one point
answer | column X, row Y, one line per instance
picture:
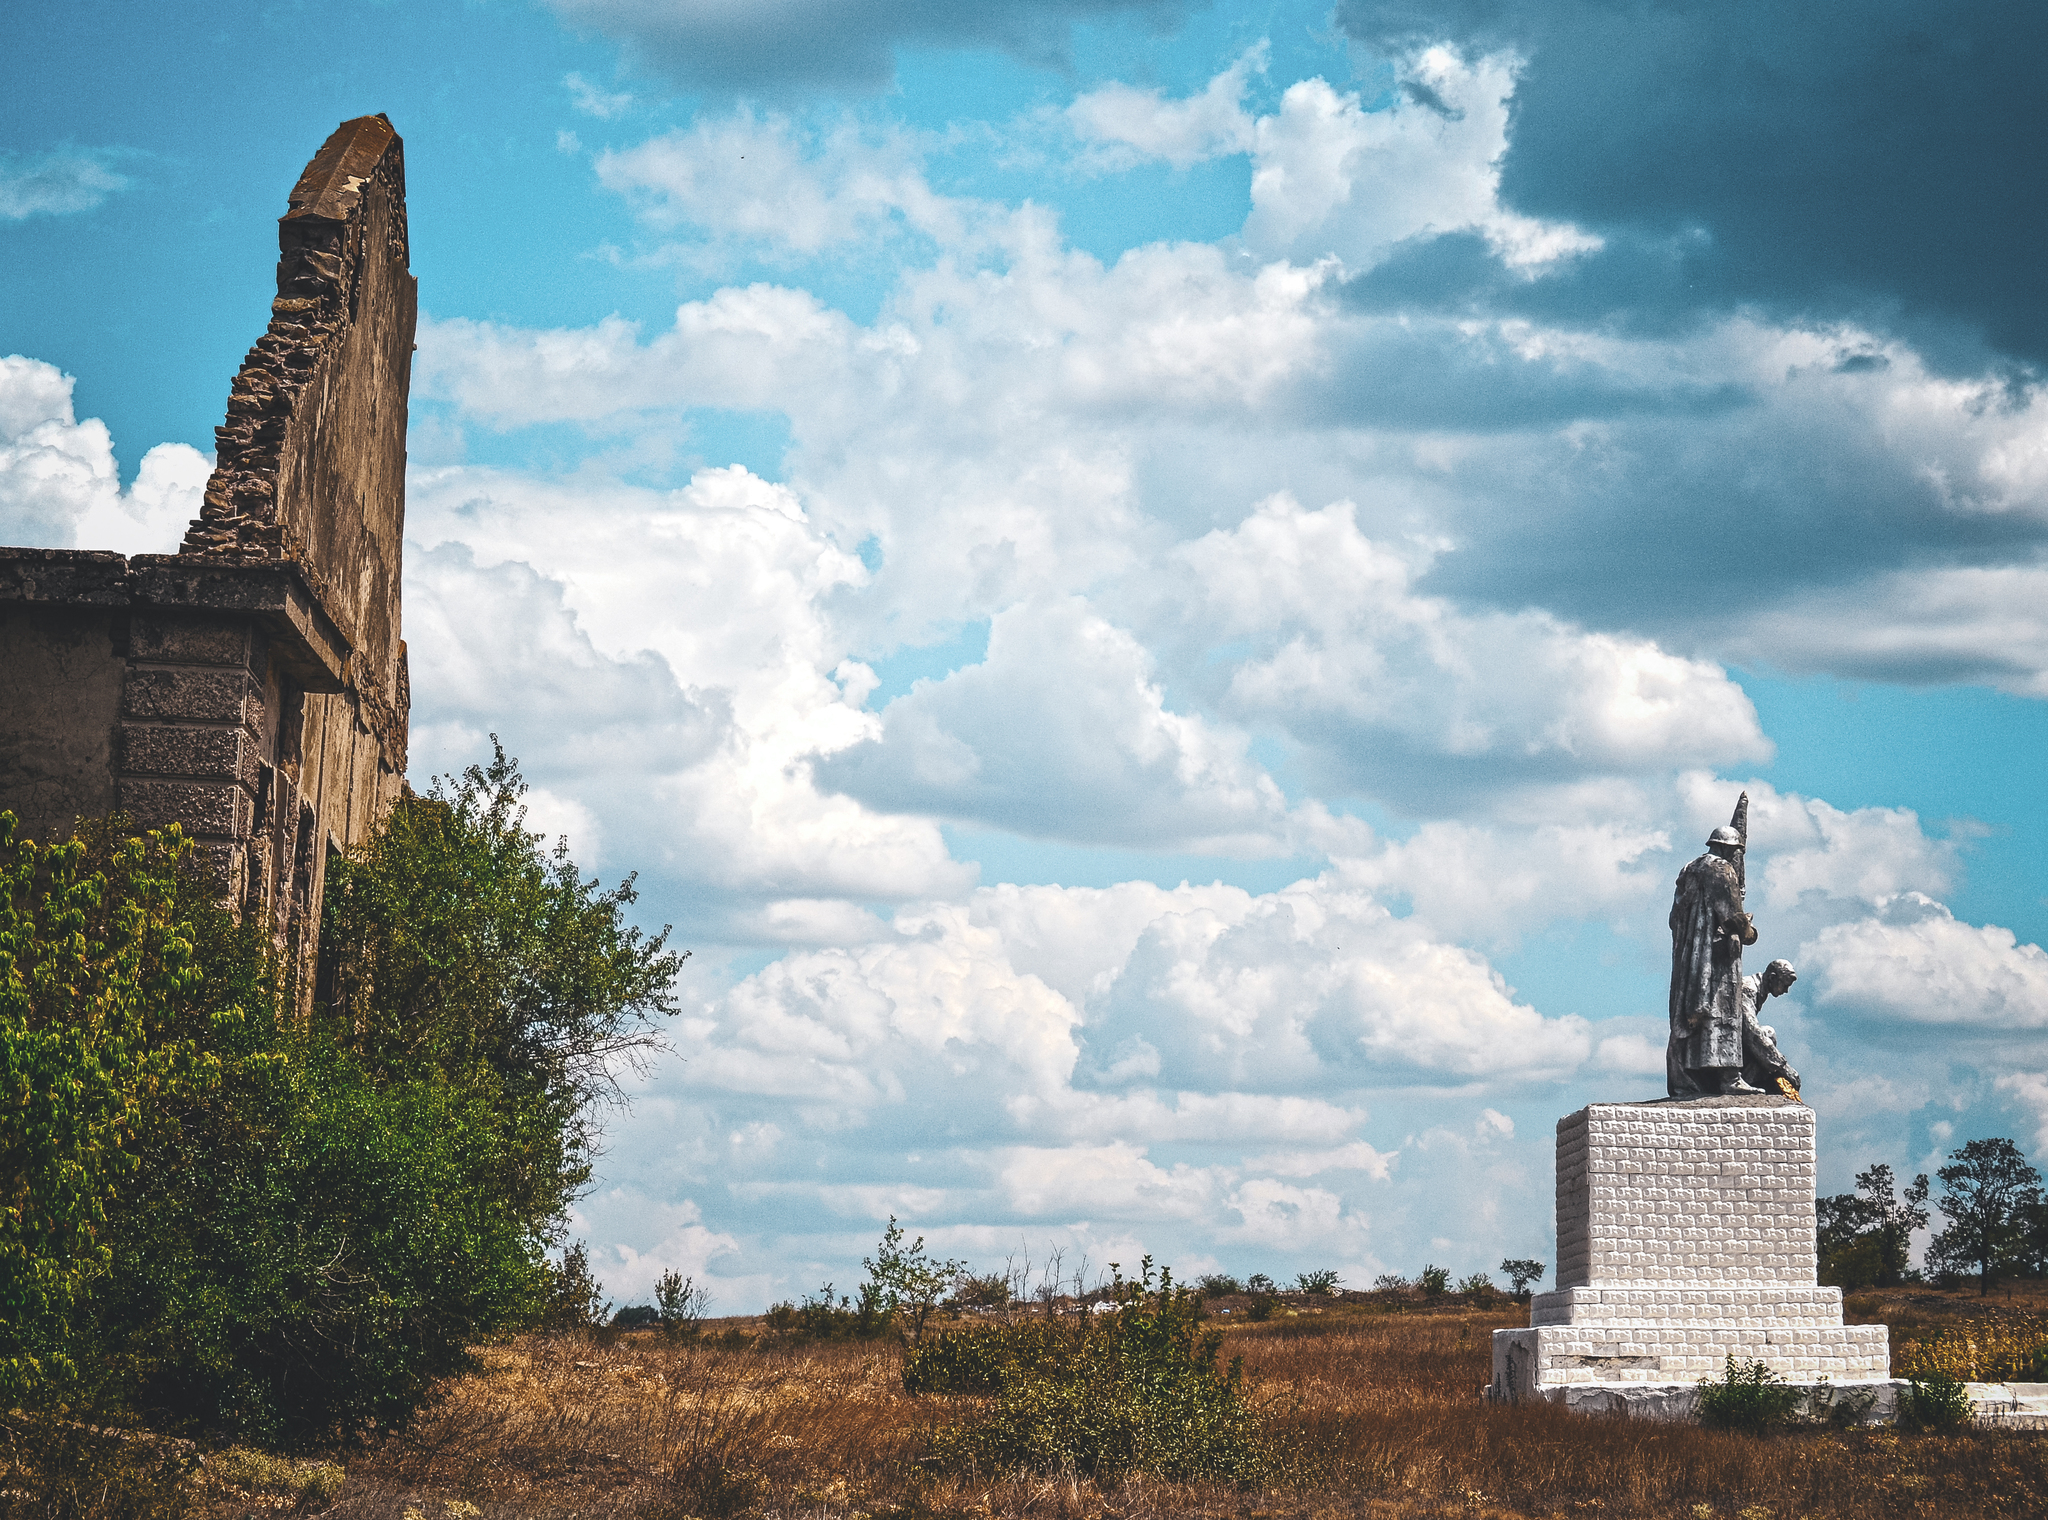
column 1710, row 1005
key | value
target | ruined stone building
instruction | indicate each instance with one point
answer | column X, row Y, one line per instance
column 251, row 686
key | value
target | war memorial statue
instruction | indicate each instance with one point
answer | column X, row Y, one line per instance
column 1685, row 1224
column 1717, row 1048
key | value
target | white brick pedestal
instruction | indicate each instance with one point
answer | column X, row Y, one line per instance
column 1685, row 1235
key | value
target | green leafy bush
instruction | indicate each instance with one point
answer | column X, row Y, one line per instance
column 359, row 1197
column 1935, row 1401
column 680, row 1304
column 821, row 1317
column 465, row 952
column 991, row 1291
column 1749, row 1396
column 983, row 1359
column 96, row 970
column 1318, row 1284
column 1478, row 1287
column 570, row 1297
column 1435, row 1281
column 1132, row 1389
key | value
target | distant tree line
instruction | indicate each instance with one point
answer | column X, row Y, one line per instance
column 1992, row 1202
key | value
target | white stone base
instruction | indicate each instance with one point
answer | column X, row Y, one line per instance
column 1685, row 1236
column 1562, row 1356
column 1739, row 1306
column 2010, row 1406
column 1679, row 1402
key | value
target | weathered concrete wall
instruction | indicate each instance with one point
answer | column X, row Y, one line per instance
column 253, row 686
column 311, row 460
column 63, row 637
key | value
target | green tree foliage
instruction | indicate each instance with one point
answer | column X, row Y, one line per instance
column 465, row 953
column 1521, row 1272
column 96, row 979
column 1864, row 1238
column 1134, row 1388
column 907, row 1282
column 1321, row 1284
column 681, row 1304
column 1989, row 1195
column 355, row 1200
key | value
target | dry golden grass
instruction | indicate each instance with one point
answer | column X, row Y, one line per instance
column 1378, row 1411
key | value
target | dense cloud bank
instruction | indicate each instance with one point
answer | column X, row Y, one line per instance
column 1821, row 162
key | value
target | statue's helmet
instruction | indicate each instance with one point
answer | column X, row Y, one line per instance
column 1725, row 835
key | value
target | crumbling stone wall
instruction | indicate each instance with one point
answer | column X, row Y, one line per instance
column 252, row 686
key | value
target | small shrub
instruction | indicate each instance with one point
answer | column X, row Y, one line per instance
column 1262, row 1306
column 636, row 1317
column 1320, row 1284
column 1478, row 1287
column 1935, row 1401
column 573, row 1299
column 1435, row 1281
column 62, row 1469
column 1391, row 1282
column 906, row 1283
column 710, row 1484
column 990, row 1292
column 1218, row 1285
column 1132, row 1390
column 983, row 1359
column 680, row 1305
column 1259, row 1282
column 1749, row 1396
column 823, row 1318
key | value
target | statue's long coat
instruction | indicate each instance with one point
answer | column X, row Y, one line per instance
column 1706, row 970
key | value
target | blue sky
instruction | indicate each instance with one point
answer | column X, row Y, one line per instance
column 1158, row 590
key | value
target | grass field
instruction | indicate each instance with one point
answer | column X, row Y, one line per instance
column 1379, row 1410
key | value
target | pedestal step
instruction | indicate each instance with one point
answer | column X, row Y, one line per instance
column 1528, row 1361
column 1735, row 1305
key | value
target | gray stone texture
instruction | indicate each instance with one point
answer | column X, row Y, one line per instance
column 253, row 686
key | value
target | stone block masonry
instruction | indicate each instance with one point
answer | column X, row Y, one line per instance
column 1685, row 1233
column 253, row 686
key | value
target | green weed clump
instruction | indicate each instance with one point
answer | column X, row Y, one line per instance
column 1132, row 1389
column 1936, row 1401
column 1749, row 1397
